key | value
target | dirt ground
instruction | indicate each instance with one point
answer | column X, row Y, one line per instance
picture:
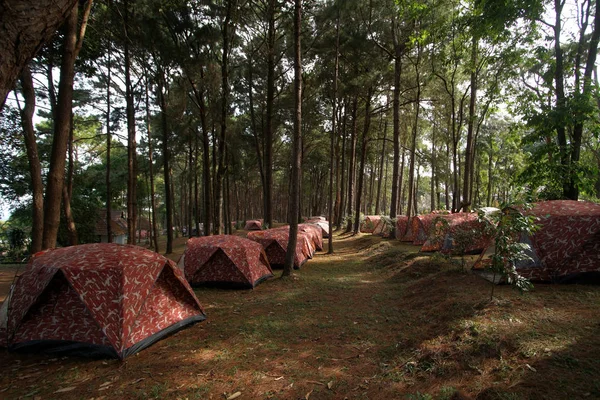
column 376, row 320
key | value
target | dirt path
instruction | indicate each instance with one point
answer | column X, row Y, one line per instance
column 373, row 321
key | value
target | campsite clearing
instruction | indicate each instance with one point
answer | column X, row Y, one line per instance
column 374, row 320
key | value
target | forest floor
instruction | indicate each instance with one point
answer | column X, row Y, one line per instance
column 376, row 320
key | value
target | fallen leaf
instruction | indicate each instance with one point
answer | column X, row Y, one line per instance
column 278, row 379
column 308, row 395
column 106, row 383
column 234, row 396
column 67, row 389
column 138, row 380
column 330, row 385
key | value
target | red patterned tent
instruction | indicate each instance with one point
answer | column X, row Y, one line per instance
column 443, row 236
column 225, row 260
column 253, row 225
column 567, row 243
column 275, row 242
column 316, row 218
column 314, row 232
column 382, row 228
column 404, row 228
column 369, row 224
column 97, row 299
column 324, row 225
column 421, row 227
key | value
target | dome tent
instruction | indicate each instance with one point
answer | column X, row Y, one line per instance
column 101, row 299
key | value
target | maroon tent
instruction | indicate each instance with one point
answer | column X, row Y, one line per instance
column 369, row 224
column 275, row 242
column 324, row 225
column 383, row 228
column 421, row 226
column 404, row 228
column 253, row 225
column 101, row 299
column 567, row 243
column 225, row 260
column 314, row 232
column 443, row 237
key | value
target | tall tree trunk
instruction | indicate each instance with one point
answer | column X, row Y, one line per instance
column 219, row 181
column 67, row 193
column 71, row 45
column 433, row 169
column 205, row 161
column 470, row 149
column 399, row 49
column 340, row 218
column 351, row 164
column 131, row 144
column 109, row 233
column 380, row 178
column 560, row 95
column 35, row 168
column 268, row 159
column 411, row 208
column 166, row 161
column 26, row 26
column 363, row 156
column 297, row 144
column 572, row 191
column 333, row 128
column 151, row 166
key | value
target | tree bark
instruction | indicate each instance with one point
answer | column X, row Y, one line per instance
column 166, row 161
column 573, row 188
column 67, row 193
column 71, row 45
column 35, row 168
column 333, row 127
column 268, row 144
column 351, row 164
column 131, row 143
column 108, row 215
column 297, row 144
column 380, row 177
column 151, row 169
column 26, row 26
column 363, row 156
column 470, row 148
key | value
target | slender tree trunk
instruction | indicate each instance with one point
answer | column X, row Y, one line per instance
column 219, row 181
column 399, row 49
column 268, row 192
column 411, row 208
column 166, row 162
column 67, row 192
column 380, row 178
column 71, row 45
column 351, row 164
column 340, row 219
column 297, row 143
column 35, row 168
column 470, row 149
column 205, row 162
column 151, row 164
column 572, row 191
column 109, row 233
column 333, row 128
column 363, row 155
column 131, row 144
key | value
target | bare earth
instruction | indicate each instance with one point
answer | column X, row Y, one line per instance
column 376, row 320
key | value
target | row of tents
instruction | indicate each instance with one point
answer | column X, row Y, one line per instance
column 566, row 245
column 113, row 300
